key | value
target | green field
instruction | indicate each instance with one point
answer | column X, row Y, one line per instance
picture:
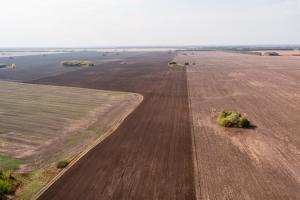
column 8, row 163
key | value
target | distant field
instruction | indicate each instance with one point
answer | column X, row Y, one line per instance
column 42, row 124
column 4, row 54
column 32, row 67
column 280, row 52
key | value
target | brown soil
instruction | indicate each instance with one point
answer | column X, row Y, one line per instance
column 259, row 163
column 150, row 155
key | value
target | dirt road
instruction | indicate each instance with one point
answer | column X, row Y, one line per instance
column 149, row 156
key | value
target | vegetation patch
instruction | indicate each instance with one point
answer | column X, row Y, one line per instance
column 62, row 164
column 232, row 119
column 98, row 130
column 172, row 63
column 7, row 184
column 77, row 63
column 8, row 163
column 9, row 66
column 33, row 182
column 271, row 54
column 175, row 64
column 255, row 53
column 3, row 65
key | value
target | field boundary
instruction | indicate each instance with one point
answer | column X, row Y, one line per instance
column 194, row 152
column 93, row 145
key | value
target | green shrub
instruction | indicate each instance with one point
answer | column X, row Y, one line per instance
column 232, row 119
column 62, row 164
column 6, row 184
column 6, row 175
column 98, row 130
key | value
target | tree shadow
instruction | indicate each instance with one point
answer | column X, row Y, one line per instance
column 251, row 127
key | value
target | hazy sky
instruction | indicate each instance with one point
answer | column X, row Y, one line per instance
column 38, row 23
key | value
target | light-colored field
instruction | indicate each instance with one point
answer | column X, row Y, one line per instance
column 137, row 49
column 40, row 124
column 258, row 163
column 4, row 54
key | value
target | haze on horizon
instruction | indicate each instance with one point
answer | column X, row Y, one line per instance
column 53, row 23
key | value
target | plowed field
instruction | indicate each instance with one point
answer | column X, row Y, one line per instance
column 150, row 155
column 258, row 163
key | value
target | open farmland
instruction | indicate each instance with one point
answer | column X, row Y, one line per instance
column 11, row 54
column 35, row 117
column 258, row 163
column 150, row 155
column 159, row 153
column 31, row 67
column 41, row 125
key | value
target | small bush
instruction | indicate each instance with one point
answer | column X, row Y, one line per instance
column 77, row 63
column 232, row 119
column 271, row 54
column 172, row 63
column 98, row 130
column 62, row 164
column 6, row 184
column 186, row 63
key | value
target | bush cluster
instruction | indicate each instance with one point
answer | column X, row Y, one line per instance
column 271, row 54
column 3, row 65
column 77, row 63
column 6, row 184
column 172, row 63
column 232, row 119
column 62, row 164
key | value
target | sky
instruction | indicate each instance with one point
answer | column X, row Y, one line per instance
column 88, row 23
